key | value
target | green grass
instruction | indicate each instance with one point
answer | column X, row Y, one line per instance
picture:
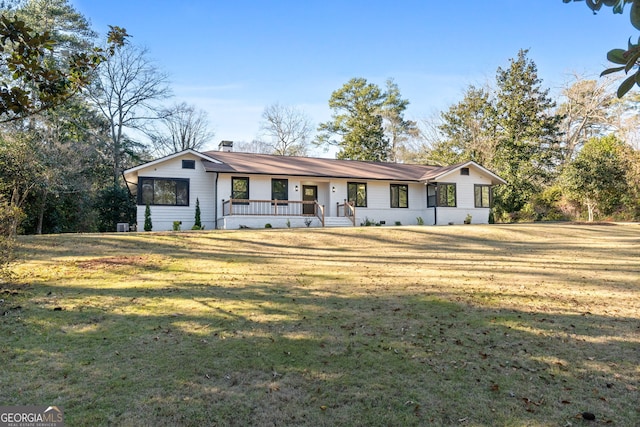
column 462, row 325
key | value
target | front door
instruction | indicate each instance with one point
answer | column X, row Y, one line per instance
column 309, row 194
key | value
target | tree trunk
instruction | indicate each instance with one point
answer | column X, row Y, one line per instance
column 41, row 208
column 590, row 209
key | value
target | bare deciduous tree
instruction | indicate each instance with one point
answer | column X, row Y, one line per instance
column 287, row 128
column 254, row 146
column 183, row 127
column 586, row 111
column 125, row 91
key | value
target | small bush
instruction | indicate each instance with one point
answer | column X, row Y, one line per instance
column 267, row 225
column 308, row 222
column 420, row 220
column 176, row 225
column 197, row 222
column 398, row 223
column 148, row 225
column 288, row 223
column 368, row 222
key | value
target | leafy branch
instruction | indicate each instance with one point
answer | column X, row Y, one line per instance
column 626, row 59
column 36, row 83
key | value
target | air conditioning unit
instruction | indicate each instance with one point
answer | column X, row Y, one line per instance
column 123, row 227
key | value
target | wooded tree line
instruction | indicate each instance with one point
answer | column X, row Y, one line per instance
column 74, row 115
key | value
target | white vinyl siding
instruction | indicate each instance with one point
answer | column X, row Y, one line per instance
column 201, row 186
column 465, row 198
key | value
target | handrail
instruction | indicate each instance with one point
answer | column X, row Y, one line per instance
column 319, row 209
column 269, row 207
column 349, row 210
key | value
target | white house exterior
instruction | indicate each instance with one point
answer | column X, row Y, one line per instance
column 237, row 190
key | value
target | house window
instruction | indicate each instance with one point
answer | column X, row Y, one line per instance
column 399, row 196
column 482, row 196
column 164, row 191
column 240, row 188
column 357, row 193
column 464, row 171
column 447, row 195
column 431, row 196
column 279, row 189
column 188, row 164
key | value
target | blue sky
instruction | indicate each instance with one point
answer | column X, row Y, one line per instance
column 234, row 58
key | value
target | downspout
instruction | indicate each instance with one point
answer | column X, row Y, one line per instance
column 435, row 205
column 215, row 204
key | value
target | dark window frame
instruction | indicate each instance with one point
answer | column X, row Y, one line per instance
column 359, row 202
column 234, row 192
column 188, row 164
column 432, row 199
column 282, row 192
column 445, row 188
column 477, row 190
column 396, row 197
column 152, row 179
column 464, row 171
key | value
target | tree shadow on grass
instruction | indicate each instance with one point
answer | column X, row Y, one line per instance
column 301, row 355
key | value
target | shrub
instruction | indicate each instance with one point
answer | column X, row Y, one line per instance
column 368, row 222
column 308, row 222
column 398, row 223
column 420, row 220
column 176, row 225
column 267, row 225
column 148, row 226
column 197, row 222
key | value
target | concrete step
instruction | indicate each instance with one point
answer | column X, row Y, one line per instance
column 337, row 222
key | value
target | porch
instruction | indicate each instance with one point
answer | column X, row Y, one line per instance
column 238, row 213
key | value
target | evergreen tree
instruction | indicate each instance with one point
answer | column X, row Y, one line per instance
column 527, row 150
column 397, row 129
column 197, row 223
column 468, row 130
column 148, row 226
column 357, row 121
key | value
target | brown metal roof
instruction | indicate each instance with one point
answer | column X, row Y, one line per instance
column 266, row 164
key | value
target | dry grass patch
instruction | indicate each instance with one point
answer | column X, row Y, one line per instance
column 474, row 325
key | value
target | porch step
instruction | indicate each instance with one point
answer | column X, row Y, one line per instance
column 337, row 222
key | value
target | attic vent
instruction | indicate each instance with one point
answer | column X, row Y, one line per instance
column 464, row 171
column 188, row 164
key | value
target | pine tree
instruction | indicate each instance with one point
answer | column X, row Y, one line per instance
column 357, row 121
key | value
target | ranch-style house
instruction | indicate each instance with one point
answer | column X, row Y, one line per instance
column 238, row 190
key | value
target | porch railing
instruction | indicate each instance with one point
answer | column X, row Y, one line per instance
column 273, row 208
column 348, row 210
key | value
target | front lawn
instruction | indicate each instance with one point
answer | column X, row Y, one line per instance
column 472, row 325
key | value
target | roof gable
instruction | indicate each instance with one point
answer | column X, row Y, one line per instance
column 202, row 156
column 442, row 172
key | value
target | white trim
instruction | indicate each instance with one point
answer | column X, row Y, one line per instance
column 169, row 157
column 464, row 165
